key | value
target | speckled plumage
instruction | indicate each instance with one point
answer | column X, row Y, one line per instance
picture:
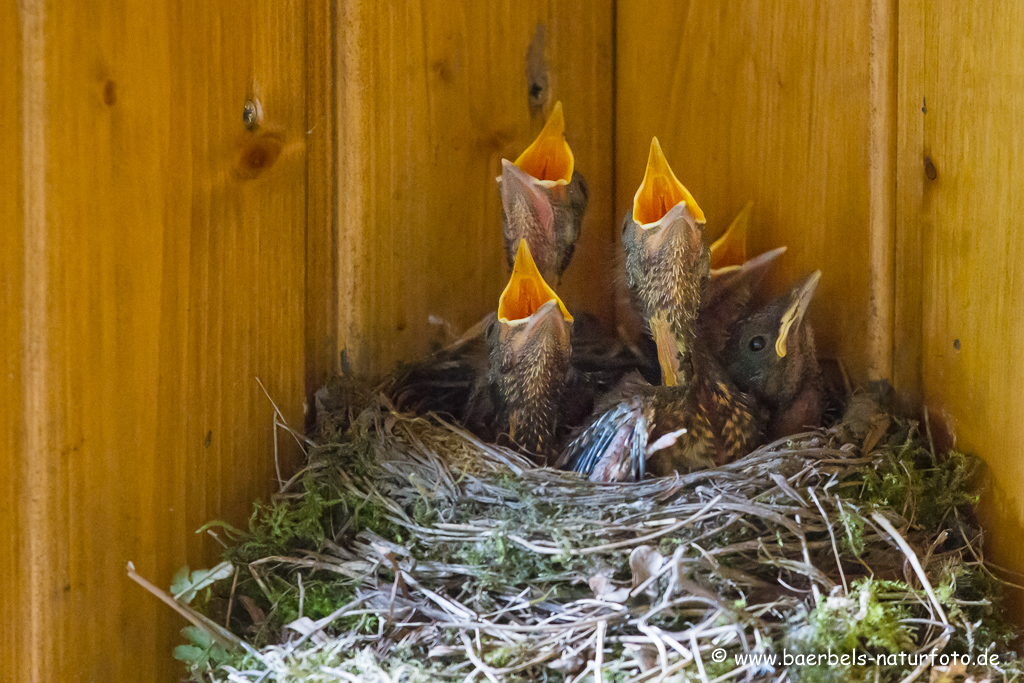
column 529, row 369
column 698, row 418
column 722, row 422
column 667, row 270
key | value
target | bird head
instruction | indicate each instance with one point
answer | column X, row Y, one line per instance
column 530, row 354
column 729, row 295
column 543, row 199
column 769, row 352
column 663, row 235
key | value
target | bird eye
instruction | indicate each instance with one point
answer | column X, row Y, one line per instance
column 757, row 343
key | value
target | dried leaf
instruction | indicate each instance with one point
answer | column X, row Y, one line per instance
column 879, row 426
column 307, row 627
column 645, row 562
column 604, row 589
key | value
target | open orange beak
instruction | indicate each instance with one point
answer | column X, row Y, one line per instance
column 731, row 248
column 548, row 158
column 526, row 292
column 661, row 191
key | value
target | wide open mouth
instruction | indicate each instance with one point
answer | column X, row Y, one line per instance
column 661, row 191
column 549, row 158
column 526, row 291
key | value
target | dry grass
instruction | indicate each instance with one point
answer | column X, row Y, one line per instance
column 409, row 550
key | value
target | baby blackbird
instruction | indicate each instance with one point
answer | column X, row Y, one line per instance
column 529, row 359
column 771, row 354
column 734, row 282
column 698, row 418
column 543, row 198
column 728, row 298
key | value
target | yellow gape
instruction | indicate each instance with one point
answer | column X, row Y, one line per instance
column 548, row 158
column 526, row 290
column 796, row 312
column 661, row 191
column 669, row 349
column 788, row 318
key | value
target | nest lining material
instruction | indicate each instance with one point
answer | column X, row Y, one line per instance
column 409, row 550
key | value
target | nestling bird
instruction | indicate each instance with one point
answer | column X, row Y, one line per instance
column 543, row 198
column 698, row 417
column 771, row 354
column 734, row 281
column 730, row 292
column 529, row 358
column 728, row 299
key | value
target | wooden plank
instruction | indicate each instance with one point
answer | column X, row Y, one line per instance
column 772, row 101
column 11, row 377
column 321, row 209
column 911, row 219
column 882, row 134
column 164, row 250
column 431, row 96
column 962, row 155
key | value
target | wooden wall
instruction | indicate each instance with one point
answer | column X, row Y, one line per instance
column 156, row 256
column 960, row 274
column 11, row 378
column 153, row 261
column 431, row 97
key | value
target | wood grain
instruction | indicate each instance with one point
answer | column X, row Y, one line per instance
column 160, row 267
column 321, row 205
column 962, row 292
column 431, row 96
column 11, row 376
column 769, row 101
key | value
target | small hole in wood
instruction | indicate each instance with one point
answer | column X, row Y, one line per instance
column 537, row 74
column 251, row 114
column 956, row 344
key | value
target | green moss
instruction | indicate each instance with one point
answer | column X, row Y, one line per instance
column 912, row 483
column 320, row 597
column 866, row 621
column 852, row 538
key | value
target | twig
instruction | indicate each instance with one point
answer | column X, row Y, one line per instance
column 221, row 634
column 477, row 662
column 881, row 521
column 835, row 548
column 602, row 626
column 928, row 431
column 231, row 599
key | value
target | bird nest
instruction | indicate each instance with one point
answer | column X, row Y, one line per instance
column 409, row 550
